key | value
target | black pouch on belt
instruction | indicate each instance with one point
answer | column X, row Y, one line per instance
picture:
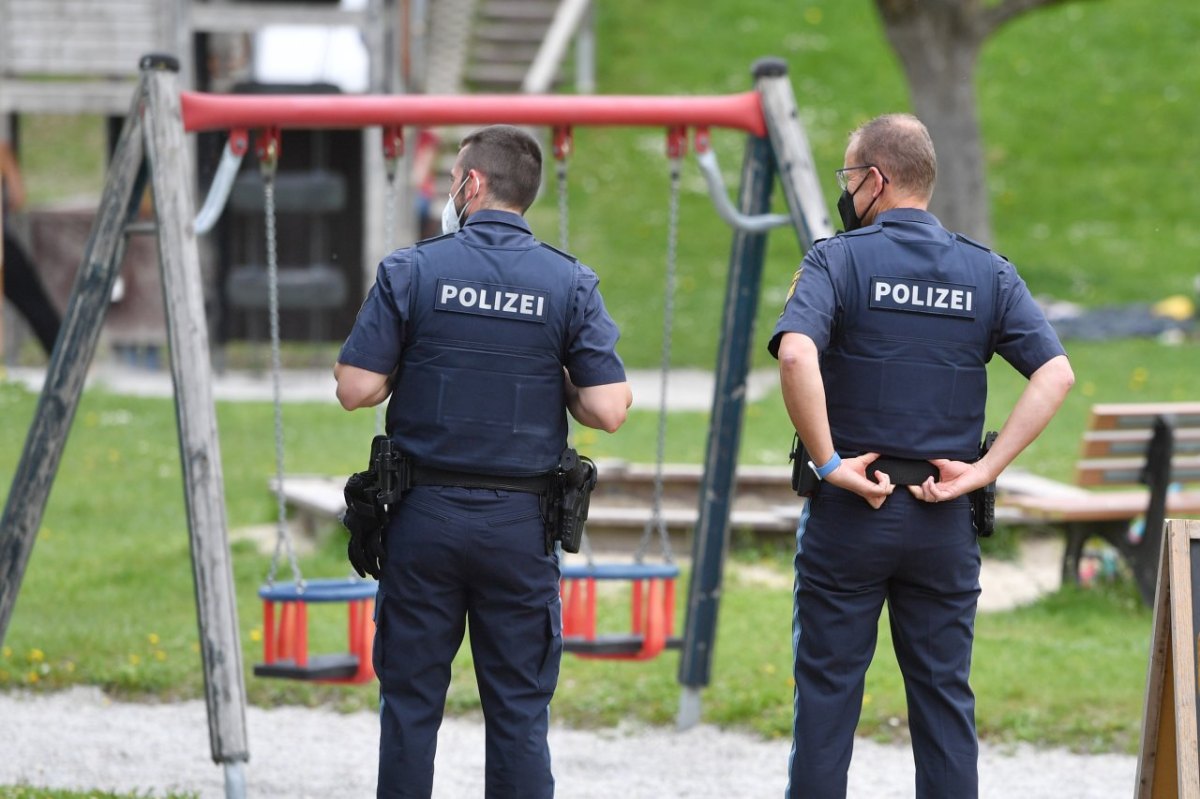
column 804, row 480
column 902, row 471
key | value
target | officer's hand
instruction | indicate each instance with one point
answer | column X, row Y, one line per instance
column 955, row 478
column 851, row 475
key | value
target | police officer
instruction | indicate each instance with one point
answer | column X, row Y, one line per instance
column 883, row 346
column 483, row 338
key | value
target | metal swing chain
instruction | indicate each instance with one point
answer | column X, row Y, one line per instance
column 393, row 145
column 563, row 221
column 656, row 521
column 562, row 147
column 283, row 538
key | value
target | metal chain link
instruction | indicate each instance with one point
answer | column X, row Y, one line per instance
column 656, row 521
column 389, row 243
column 564, row 229
column 283, row 538
column 563, row 220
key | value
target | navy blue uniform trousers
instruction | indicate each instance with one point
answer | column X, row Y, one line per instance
column 458, row 557
column 923, row 560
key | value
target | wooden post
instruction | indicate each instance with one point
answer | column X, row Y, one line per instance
column 187, row 334
column 67, row 371
column 785, row 153
column 1169, row 759
column 793, row 156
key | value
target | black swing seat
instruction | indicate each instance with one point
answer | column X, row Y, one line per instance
column 320, row 667
column 613, row 645
column 652, row 610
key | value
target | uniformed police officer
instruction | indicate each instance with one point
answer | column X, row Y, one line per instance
column 483, row 338
column 883, row 346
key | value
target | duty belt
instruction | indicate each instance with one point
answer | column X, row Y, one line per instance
column 903, row 471
column 432, row 476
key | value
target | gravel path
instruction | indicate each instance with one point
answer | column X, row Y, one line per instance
column 79, row 739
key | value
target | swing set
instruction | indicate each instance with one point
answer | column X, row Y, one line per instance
column 152, row 150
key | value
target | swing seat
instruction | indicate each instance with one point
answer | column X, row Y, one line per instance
column 285, row 631
column 651, row 610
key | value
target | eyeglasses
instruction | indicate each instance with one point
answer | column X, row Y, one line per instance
column 843, row 178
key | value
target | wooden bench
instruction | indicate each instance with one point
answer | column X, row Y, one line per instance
column 1138, row 460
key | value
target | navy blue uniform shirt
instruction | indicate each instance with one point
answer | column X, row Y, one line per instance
column 378, row 337
column 891, row 308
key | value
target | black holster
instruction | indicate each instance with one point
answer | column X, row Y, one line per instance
column 565, row 508
column 368, row 495
column 983, row 500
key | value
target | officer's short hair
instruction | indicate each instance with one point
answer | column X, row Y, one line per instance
column 899, row 145
column 512, row 160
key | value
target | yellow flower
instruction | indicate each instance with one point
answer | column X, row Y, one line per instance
column 160, row 655
column 32, row 677
column 36, row 656
column 1138, row 378
column 7, row 651
column 1088, row 389
column 256, row 634
column 153, row 639
column 134, row 659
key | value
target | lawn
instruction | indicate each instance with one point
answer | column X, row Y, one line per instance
column 1088, row 139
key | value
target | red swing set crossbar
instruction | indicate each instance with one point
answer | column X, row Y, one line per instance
column 210, row 112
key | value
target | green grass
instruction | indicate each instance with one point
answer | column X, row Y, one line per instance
column 107, row 597
column 1087, row 132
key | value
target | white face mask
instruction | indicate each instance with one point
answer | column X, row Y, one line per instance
column 451, row 216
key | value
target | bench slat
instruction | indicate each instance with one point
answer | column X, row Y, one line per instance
column 1126, row 471
column 1123, row 415
column 1101, row 506
column 1115, row 443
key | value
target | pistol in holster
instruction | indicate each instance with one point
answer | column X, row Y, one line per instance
column 804, row 480
column 368, row 495
column 566, row 508
column 983, row 500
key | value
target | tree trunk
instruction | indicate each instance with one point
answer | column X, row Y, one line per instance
column 938, row 46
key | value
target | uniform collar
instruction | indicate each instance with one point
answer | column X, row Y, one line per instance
column 501, row 217
column 906, row 215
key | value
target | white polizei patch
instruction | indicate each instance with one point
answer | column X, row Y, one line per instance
column 488, row 299
column 922, row 296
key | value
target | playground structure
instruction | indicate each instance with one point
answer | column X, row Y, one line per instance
column 152, row 150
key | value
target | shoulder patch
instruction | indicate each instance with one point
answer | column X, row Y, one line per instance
column 566, row 255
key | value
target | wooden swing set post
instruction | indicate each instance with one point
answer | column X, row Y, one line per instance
column 151, row 148
column 783, row 151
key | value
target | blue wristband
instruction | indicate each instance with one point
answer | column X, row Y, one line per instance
column 824, row 471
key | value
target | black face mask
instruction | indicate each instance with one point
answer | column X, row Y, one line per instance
column 845, row 205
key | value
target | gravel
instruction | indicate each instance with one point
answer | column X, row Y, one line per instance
column 80, row 739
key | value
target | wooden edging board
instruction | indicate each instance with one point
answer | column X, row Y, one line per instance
column 1169, row 758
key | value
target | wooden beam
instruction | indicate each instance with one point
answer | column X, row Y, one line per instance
column 67, row 371
column 200, row 452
